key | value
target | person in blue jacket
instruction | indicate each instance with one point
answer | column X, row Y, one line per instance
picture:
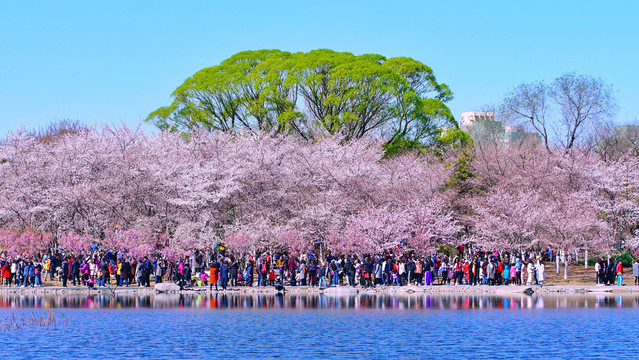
column 224, row 274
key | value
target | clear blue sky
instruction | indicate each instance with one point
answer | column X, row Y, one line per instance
column 116, row 61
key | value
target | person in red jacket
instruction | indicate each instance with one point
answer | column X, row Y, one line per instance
column 6, row 274
column 619, row 274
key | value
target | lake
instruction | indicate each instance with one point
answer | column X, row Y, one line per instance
column 320, row 326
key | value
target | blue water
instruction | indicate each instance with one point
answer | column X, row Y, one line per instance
column 236, row 326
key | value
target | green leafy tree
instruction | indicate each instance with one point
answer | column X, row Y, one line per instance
column 321, row 91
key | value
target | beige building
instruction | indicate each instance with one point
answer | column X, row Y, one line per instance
column 483, row 126
column 468, row 118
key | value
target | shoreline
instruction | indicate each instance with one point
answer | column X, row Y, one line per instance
column 332, row 291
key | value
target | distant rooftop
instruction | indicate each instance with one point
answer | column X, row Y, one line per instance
column 468, row 118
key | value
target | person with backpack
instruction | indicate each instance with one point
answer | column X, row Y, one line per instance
column 334, row 272
column 321, row 274
column 263, row 273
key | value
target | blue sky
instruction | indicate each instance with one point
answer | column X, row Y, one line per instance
column 116, row 61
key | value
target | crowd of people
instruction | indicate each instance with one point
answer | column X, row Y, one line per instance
column 611, row 272
column 219, row 270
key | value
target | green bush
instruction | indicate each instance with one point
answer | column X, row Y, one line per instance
column 625, row 256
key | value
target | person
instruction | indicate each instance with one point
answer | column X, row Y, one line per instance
column 14, row 270
column 491, row 270
column 635, row 271
column 65, row 274
column 224, row 274
column 394, row 277
column 321, row 274
column 263, row 273
column 428, row 274
column 419, row 270
column 444, row 272
column 187, row 274
column 506, row 273
column 139, row 270
column 249, row 273
column 148, row 269
column 271, row 278
column 104, row 269
column 378, row 273
column 612, row 267
column 541, row 273
column 234, row 270
column 530, row 268
column 349, row 269
column 125, row 270
column 47, row 268
column 32, row 274
column 6, row 274
column 215, row 267
column 335, row 272
column 84, row 270
column 598, row 272
column 75, row 272
column 312, row 273
column 38, row 274
column 466, row 270
column 619, row 268
column 517, row 275
column 157, row 271
column 118, row 269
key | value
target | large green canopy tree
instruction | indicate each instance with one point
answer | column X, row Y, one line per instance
column 321, row 91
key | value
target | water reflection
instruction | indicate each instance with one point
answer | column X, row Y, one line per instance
column 318, row 301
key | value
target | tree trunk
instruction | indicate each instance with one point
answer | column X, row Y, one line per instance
column 565, row 266
column 557, row 257
column 576, row 256
column 586, row 259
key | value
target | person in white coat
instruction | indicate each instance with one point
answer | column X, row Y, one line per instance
column 541, row 273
